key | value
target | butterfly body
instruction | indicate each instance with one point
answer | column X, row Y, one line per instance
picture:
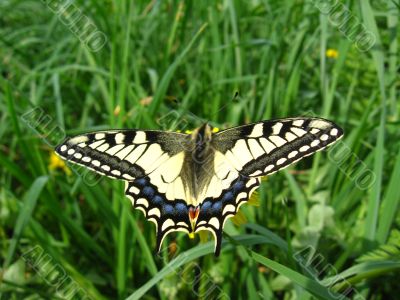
column 193, row 182
column 199, row 157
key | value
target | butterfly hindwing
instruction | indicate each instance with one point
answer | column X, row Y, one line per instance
column 214, row 211
column 263, row 148
column 167, row 215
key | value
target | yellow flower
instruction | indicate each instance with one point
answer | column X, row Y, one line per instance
column 332, row 53
column 215, row 129
column 188, row 131
column 55, row 162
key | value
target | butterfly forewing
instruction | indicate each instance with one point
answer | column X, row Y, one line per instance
column 123, row 154
column 263, row 148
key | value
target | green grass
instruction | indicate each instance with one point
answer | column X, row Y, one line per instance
column 188, row 60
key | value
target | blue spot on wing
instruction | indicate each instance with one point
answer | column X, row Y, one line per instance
column 217, row 206
column 205, row 206
column 157, row 200
column 168, row 209
column 141, row 181
column 148, row 192
column 238, row 186
column 228, row 196
column 181, row 208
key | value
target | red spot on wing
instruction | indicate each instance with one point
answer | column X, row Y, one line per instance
column 194, row 212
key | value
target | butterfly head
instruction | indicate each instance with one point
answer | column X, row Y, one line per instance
column 201, row 138
column 193, row 215
column 203, row 133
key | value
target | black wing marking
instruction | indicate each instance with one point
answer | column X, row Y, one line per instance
column 215, row 211
column 263, row 148
column 167, row 215
column 123, row 154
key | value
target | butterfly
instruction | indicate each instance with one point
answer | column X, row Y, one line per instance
column 193, row 182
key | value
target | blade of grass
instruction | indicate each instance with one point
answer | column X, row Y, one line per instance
column 312, row 286
column 172, row 35
column 25, row 214
column 125, row 75
column 274, row 238
column 390, row 204
column 162, row 88
column 371, row 219
column 393, row 21
column 121, row 269
column 301, row 203
column 190, row 255
column 360, row 272
column 236, row 39
column 58, row 100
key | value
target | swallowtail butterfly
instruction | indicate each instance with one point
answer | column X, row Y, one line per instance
column 193, row 182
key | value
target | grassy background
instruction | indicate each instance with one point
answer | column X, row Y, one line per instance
column 171, row 65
